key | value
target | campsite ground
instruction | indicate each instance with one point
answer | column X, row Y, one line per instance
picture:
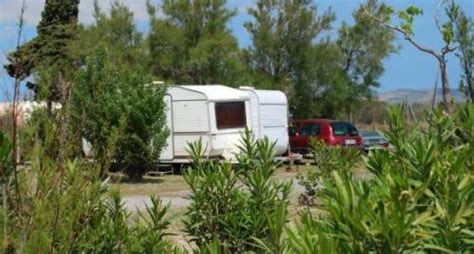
column 173, row 190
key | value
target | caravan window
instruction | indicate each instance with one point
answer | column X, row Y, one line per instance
column 230, row 115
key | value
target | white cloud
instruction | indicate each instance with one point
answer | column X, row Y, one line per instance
column 10, row 9
column 86, row 9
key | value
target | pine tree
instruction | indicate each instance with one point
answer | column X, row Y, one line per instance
column 49, row 49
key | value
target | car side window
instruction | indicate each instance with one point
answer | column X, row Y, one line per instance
column 311, row 129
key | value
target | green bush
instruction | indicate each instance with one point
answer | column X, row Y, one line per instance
column 421, row 196
column 326, row 160
column 82, row 215
column 121, row 113
column 241, row 209
column 71, row 211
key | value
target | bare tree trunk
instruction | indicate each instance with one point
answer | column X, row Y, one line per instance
column 445, row 85
column 440, row 56
column 5, row 206
column 16, row 93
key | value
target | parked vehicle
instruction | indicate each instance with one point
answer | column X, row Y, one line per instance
column 331, row 132
column 218, row 115
column 373, row 140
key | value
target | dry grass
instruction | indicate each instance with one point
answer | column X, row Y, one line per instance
column 175, row 186
column 168, row 184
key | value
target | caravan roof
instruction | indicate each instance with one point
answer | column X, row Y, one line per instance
column 267, row 96
column 217, row 92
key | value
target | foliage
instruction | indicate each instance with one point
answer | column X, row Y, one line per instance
column 282, row 55
column 405, row 28
column 5, row 152
column 115, row 31
column 463, row 35
column 419, row 199
column 228, row 216
column 74, row 211
column 88, row 220
column 364, row 46
column 309, row 236
column 191, row 43
column 373, row 112
column 49, row 49
column 327, row 160
column 120, row 113
column 291, row 52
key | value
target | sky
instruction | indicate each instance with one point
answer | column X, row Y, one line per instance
column 408, row 69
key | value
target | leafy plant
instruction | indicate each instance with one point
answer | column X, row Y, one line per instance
column 419, row 199
column 326, row 160
column 120, row 113
column 237, row 210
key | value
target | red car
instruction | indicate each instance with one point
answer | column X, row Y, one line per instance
column 333, row 133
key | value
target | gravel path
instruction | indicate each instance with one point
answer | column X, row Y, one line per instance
column 177, row 199
column 139, row 202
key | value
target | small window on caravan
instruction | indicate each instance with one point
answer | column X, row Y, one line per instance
column 230, row 115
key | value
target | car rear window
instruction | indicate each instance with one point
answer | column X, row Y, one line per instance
column 343, row 129
column 311, row 129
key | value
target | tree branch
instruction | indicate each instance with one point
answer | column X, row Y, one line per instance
column 406, row 35
column 436, row 16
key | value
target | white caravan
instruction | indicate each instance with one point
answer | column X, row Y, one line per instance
column 269, row 110
column 217, row 114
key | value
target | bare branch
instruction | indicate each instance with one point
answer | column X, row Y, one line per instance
column 447, row 49
column 439, row 56
column 21, row 21
column 436, row 16
column 407, row 36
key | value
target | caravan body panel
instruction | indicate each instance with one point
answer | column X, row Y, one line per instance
column 193, row 117
column 271, row 119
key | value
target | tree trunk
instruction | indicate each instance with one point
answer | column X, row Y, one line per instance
column 445, row 86
column 5, row 209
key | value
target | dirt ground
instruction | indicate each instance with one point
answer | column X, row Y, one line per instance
column 173, row 190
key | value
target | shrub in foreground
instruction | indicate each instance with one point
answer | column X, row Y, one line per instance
column 237, row 209
column 420, row 199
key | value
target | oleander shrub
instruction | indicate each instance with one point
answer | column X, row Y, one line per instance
column 237, row 209
column 326, row 159
column 71, row 209
column 420, row 199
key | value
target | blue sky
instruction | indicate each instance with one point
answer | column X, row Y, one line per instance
column 407, row 69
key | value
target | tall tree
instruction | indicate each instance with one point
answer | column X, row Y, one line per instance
column 115, row 30
column 49, row 49
column 463, row 31
column 363, row 46
column 405, row 28
column 192, row 44
column 282, row 35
